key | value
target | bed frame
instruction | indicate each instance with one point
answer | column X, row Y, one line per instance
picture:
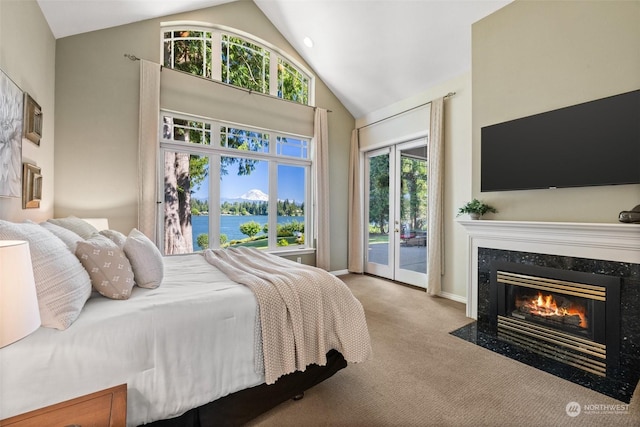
column 239, row 408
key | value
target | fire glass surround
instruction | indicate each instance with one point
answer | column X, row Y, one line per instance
column 583, row 305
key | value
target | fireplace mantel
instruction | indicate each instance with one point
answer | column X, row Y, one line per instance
column 603, row 241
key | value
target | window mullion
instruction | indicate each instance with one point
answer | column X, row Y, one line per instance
column 216, row 55
column 214, row 201
column 273, row 73
column 273, row 204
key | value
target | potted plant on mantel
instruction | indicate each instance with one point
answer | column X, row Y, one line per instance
column 476, row 209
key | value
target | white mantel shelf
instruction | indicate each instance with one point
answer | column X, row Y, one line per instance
column 604, row 241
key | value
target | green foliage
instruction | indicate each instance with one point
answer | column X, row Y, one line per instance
column 283, row 242
column 250, row 228
column 379, row 192
column 413, row 185
column 476, row 207
column 290, row 228
column 189, row 51
column 245, row 64
column 203, row 241
column 199, row 207
column 292, row 84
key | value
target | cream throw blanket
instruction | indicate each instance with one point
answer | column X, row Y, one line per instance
column 304, row 311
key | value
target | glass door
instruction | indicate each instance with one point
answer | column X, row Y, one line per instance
column 410, row 262
column 380, row 234
column 396, row 212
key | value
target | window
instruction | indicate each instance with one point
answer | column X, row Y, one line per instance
column 229, row 185
column 237, row 59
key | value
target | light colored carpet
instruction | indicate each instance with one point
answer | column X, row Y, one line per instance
column 420, row 375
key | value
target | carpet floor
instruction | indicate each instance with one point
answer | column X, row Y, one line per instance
column 420, row 375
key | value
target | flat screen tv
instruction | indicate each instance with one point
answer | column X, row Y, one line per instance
column 589, row 144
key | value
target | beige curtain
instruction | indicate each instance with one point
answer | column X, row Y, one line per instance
column 148, row 148
column 321, row 180
column 356, row 211
column 435, row 240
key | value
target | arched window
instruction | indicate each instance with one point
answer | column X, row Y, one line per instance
column 236, row 58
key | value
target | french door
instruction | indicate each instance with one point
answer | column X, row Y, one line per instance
column 396, row 212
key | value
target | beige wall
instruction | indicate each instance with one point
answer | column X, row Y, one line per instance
column 97, row 118
column 27, row 56
column 534, row 56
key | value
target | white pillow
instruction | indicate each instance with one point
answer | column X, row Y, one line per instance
column 108, row 267
column 62, row 284
column 117, row 237
column 146, row 260
column 67, row 236
column 79, row 226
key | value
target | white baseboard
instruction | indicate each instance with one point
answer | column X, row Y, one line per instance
column 453, row 297
column 339, row 272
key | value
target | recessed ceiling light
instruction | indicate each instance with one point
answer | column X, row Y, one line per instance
column 308, row 42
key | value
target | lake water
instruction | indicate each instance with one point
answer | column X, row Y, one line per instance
column 230, row 224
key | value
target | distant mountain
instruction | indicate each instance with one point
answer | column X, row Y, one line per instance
column 254, row 195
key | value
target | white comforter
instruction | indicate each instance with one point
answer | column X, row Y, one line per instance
column 179, row 346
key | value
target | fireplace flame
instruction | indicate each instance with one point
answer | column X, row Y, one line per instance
column 545, row 305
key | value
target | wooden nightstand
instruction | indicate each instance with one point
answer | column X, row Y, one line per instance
column 106, row 408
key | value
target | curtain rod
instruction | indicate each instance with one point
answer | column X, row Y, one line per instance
column 448, row 95
column 249, row 91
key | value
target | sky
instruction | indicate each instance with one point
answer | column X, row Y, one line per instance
column 291, row 183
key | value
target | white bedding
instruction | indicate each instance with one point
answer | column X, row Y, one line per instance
column 142, row 342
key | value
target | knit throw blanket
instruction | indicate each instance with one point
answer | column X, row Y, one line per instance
column 304, row 311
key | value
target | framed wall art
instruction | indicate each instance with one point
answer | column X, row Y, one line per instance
column 31, row 186
column 32, row 119
column 11, row 100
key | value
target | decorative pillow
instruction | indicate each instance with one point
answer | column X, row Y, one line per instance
column 115, row 236
column 79, row 226
column 62, row 285
column 146, row 260
column 108, row 267
column 67, row 236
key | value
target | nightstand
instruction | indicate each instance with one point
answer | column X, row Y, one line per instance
column 106, row 408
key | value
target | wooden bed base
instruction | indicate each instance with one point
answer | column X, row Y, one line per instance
column 239, row 408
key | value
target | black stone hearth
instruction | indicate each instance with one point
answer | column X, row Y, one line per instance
column 621, row 381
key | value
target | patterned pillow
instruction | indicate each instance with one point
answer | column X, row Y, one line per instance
column 62, row 285
column 107, row 265
column 146, row 260
column 79, row 226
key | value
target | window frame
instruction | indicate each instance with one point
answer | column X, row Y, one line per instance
column 214, row 151
column 276, row 54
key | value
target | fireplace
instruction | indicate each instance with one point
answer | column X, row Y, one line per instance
column 591, row 249
column 569, row 316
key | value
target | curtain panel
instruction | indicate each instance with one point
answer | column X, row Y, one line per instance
column 356, row 210
column 148, row 148
column 435, row 239
column 321, row 180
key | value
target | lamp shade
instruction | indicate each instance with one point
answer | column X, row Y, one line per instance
column 19, row 314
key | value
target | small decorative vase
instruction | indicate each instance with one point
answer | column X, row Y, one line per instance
column 474, row 215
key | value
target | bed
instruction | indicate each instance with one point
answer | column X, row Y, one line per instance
column 190, row 347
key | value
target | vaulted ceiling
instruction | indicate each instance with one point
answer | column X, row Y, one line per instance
column 370, row 53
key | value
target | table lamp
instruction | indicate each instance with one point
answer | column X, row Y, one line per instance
column 19, row 314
